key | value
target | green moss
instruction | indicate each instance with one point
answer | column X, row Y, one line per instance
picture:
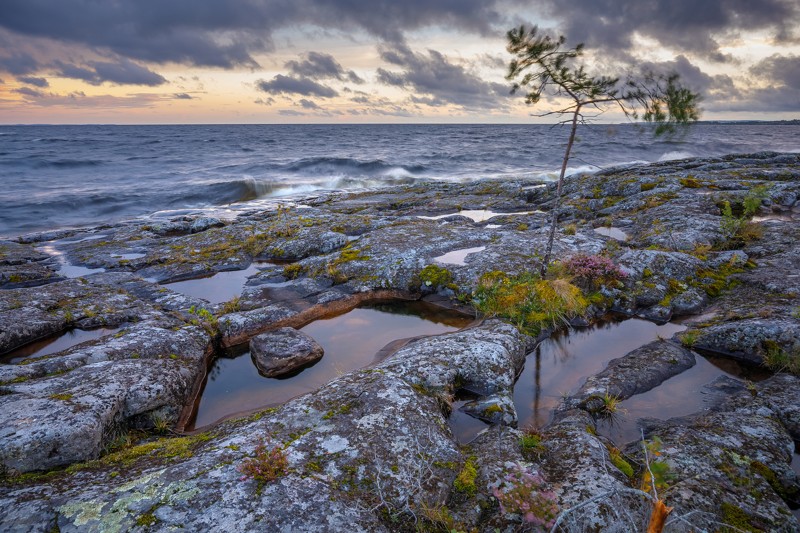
column 61, row 396
column 434, row 276
column 736, row 518
column 465, row 481
column 146, row 520
column 494, row 408
column 648, row 186
column 690, row 182
column 621, row 464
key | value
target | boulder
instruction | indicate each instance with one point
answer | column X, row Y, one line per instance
column 282, row 351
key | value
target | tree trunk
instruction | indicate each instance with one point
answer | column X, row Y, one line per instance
column 554, row 220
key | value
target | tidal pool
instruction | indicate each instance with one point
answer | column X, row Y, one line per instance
column 458, row 257
column 54, row 344
column 351, row 340
column 219, row 287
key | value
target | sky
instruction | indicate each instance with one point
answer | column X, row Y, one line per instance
column 372, row 61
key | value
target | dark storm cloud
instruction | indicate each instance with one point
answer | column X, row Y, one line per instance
column 123, row 72
column 433, row 78
column 31, row 80
column 281, row 84
column 225, row 33
column 322, row 66
column 18, row 64
column 182, row 96
column 782, row 69
column 720, row 86
column 686, row 25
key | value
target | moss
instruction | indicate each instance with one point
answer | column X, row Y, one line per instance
column 494, row 408
column 621, row 464
column 465, row 481
column 648, row 186
column 434, row 276
column 690, row 182
column 146, row 520
column 61, row 396
column 736, row 518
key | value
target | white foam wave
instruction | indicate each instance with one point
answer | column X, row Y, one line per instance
column 677, row 154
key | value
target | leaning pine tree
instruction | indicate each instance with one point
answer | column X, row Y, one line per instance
column 552, row 70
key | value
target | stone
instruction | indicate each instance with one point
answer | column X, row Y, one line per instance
column 282, row 351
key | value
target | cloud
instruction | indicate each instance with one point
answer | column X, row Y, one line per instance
column 281, row 84
column 78, row 99
column 27, row 91
column 291, row 113
column 31, row 80
column 308, row 104
column 18, row 64
column 785, row 70
column 227, row 33
column 182, row 96
column 322, row 66
column 683, row 25
column 123, row 72
column 435, row 80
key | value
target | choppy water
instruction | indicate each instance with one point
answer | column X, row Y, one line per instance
column 55, row 176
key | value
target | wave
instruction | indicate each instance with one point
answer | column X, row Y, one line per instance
column 327, row 165
column 677, row 154
column 68, row 163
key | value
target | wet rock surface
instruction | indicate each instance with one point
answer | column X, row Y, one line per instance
column 372, row 450
column 283, row 351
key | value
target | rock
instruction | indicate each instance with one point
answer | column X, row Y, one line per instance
column 283, row 351
column 750, row 339
column 637, row 372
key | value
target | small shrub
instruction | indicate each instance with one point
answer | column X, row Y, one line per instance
column 292, row 271
column 531, row 444
column 522, row 492
column 231, row 306
column 593, row 270
column 267, row 465
column 688, row 338
column 570, row 229
column 528, row 301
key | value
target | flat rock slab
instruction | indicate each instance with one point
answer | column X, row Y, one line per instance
column 282, row 351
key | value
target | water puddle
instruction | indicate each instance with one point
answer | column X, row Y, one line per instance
column 775, row 218
column 54, row 344
column 478, row 215
column 66, row 269
column 614, row 233
column 128, row 257
column 678, row 396
column 350, row 340
column 464, row 426
column 458, row 257
column 219, row 287
column 561, row 364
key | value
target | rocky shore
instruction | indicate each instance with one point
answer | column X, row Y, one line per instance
column 92, row 436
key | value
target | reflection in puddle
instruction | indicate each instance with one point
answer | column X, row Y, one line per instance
column 614, row 233
column 54, row 344
column 561, row 364
column 478, row 215
column 678, row 396
column 350, row 340
column 128, row 257
column 219, row 287
column 776, row 218
column 75, row 271
column 458, row 257
column 464, row 426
